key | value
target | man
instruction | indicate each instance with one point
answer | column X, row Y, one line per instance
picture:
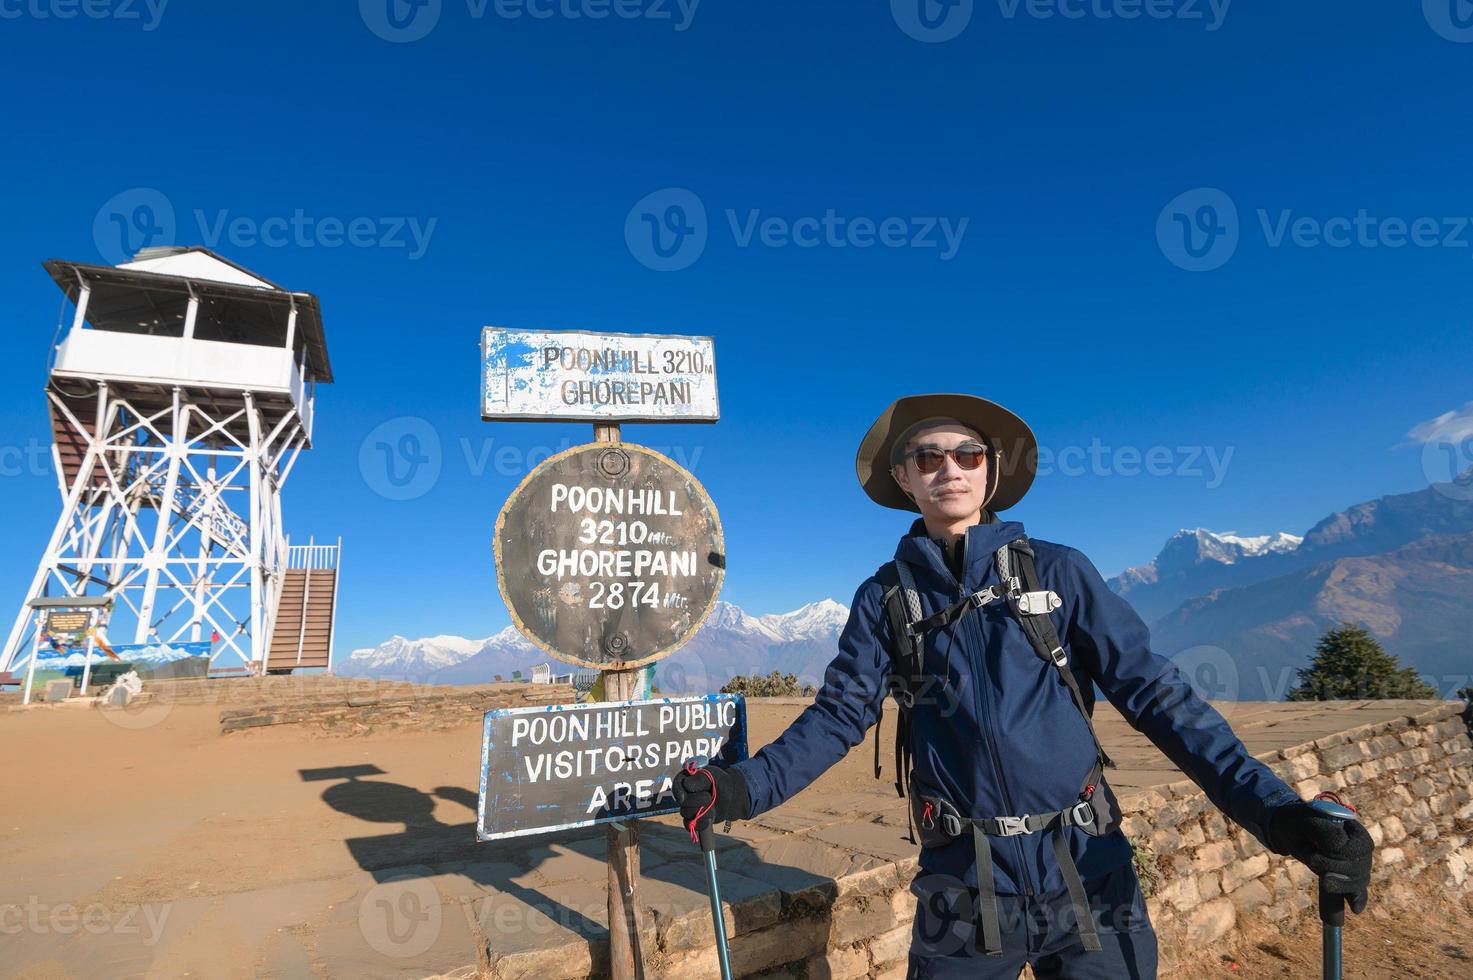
column 1022, row 859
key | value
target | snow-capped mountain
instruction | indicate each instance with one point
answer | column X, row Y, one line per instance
column 813, row 621
column 402, row 658
column 1191, row 547
column 733, row 619
column 731, row 641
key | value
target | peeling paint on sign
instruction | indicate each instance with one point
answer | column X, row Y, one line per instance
column 575, row 765
column 597, row 377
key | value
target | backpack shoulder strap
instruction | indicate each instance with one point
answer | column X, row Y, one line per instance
column 1031, row 605
column 902, row 602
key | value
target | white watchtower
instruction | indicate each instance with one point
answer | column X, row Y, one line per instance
column 180, row 398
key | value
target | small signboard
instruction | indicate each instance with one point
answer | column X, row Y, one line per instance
column 574, row 765
column 573, row 375
column 68, row 623
column 609, row 555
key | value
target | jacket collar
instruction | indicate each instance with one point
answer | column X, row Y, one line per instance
column 983, row 540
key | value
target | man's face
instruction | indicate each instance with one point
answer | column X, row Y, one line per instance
column 951, row 493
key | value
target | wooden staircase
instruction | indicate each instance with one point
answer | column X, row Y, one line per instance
column 301, row 632
column 71, row 445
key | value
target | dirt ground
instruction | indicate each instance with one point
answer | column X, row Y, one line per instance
column 1430, row 940
column 123, row 813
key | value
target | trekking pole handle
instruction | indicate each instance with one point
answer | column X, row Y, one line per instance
column 706, row 834
column 1332, row 907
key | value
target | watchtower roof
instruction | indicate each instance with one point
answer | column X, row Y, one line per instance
column 155, row 277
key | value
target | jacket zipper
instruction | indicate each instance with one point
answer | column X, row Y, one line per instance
column 979, row 668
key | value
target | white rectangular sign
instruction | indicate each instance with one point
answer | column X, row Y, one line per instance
column 597, row 377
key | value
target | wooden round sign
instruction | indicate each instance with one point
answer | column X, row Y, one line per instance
column 609, row 555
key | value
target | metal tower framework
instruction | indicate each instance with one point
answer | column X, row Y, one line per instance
column 148, row 518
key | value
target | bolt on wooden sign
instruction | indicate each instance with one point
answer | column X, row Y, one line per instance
column 539, row 375
column 609, row 555
column 564, row 766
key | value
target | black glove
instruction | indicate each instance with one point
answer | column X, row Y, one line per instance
column 709, row 795
column 1339, row 851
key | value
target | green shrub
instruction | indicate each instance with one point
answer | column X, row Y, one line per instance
column 774, row 685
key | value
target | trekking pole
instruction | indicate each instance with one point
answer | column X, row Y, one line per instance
column 707, row 836
column 1332, row 907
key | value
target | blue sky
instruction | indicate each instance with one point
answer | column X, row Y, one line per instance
column 1293, row 347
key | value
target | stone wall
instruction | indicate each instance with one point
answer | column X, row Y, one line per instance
column 1412, row 781
column 1411, row 778
column 352, row 708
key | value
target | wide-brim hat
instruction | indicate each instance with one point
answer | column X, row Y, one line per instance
column 1015, row 450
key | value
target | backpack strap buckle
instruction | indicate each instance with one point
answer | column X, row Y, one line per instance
column 1038, row 603
column 984, row 596
column 1011, row 826
column 1081, row 814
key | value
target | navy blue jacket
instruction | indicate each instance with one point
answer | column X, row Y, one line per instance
column 1003, row 737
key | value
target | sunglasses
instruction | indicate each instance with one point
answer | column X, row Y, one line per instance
column 930, row 459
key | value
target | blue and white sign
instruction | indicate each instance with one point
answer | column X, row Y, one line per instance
column 576, row 765
column 597, row 377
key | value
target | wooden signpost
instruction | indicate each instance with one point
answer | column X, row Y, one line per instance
column 608, row 555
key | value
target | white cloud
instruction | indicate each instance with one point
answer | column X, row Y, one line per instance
column 1454, row 426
